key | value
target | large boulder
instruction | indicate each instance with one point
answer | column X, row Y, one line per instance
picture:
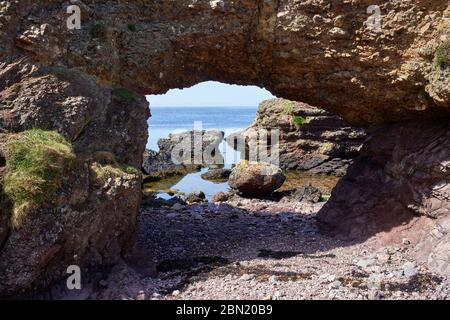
column 256, row 178
column 309, row 138
column 398, row 190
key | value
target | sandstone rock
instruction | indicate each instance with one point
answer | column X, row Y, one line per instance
column 217, row 175
column 182, row 153
column 256, row 178
column 195, row 197
column 304, row 194
column 220, row 197
column 397, row 187
column 193, row 147
column 157, row 165
column 319, row 141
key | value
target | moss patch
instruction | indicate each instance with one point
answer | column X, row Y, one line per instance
column 124, row 95
column 35, row 163
column 105, row 166
column 298, row 120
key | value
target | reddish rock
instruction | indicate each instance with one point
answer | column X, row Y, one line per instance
column 220, row 197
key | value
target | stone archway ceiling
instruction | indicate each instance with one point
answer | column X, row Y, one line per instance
column 319, row 52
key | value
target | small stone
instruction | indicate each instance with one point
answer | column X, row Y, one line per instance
column 409, row 269
column 383, row 257
column 336, row 284
column 277, row 295
column 364, row 263
column 331, row 278
column 220, row 197
column 176, row 293
column 406, row 241
column 140, row 296
column 374, row 295
column 247, row 277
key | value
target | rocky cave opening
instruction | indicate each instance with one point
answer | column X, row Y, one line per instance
column 89, row 87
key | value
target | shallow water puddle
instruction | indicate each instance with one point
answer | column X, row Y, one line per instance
column 179, row 185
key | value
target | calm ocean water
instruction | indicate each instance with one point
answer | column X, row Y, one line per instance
column 166, row 120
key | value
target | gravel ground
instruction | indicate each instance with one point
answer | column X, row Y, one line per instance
column 258, row 249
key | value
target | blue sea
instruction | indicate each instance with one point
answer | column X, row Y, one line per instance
column 166, row 120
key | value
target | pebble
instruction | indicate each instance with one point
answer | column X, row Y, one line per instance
column 247, row 277
column 364, row 263
column 409, row 269
column 374, row 295
column 176, row 293
column 336, row 284
column 140, row 296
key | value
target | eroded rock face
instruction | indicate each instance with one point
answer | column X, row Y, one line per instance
column 401, row 178
column 313, row 51
column 309, row 138
column 322, row 53
column 89, row 220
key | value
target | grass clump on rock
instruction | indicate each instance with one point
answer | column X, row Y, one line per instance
column 35, row 163
column 105, row 166
column 288, row 108
column 298, row 120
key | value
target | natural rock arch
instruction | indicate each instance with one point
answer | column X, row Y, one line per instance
column 312, row 51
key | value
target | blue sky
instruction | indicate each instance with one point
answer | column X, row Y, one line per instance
column 211, row 94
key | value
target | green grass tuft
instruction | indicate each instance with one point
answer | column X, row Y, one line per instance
column 35, row 162
column 288, row 108
column 105, row 166
column 442, row 56
column 124, row 95
column 298, row 120
column 130, row 170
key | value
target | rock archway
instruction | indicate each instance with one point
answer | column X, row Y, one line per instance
column 88, row 84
